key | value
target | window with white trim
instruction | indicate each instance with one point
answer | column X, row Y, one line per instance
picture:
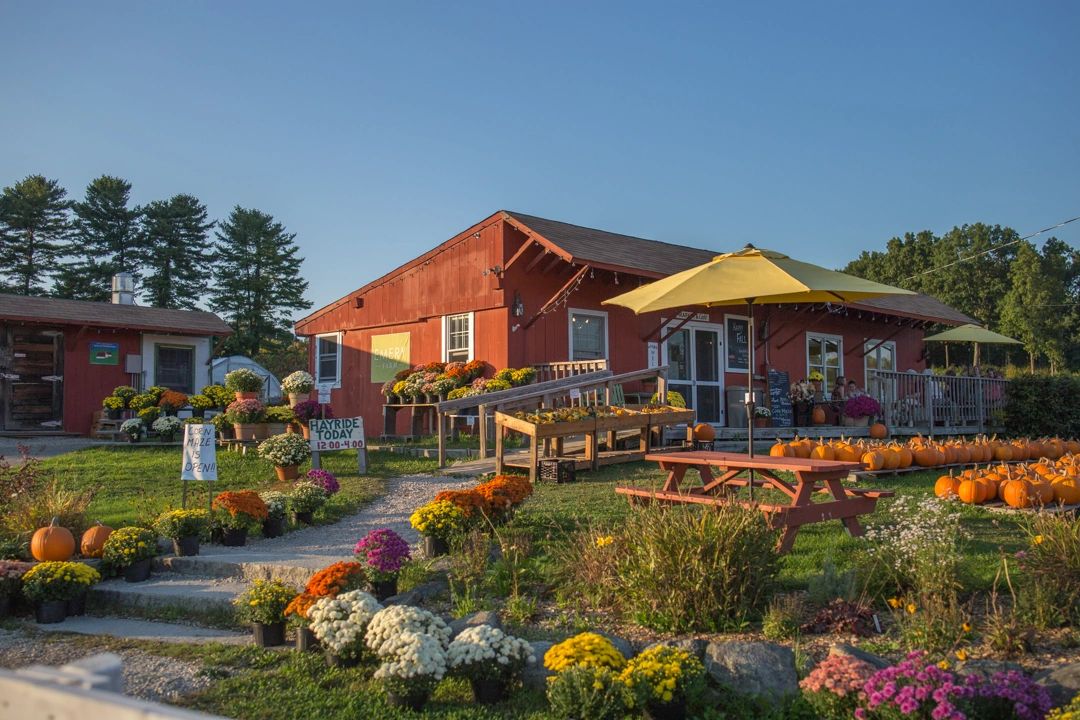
column 458, row 337
column 825, row 354
column 174, row 367
column 588, row 335
column 328, row 358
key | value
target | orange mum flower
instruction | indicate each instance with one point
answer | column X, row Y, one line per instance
column 242, row 502
column 339, row 577
column 471, row 502
column 300, row 605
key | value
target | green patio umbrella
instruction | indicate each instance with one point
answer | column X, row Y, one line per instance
column 973, row 334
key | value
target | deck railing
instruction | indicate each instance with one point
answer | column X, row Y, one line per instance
column 558, row 370
column 938, row 404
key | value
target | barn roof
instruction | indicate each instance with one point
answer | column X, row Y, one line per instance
column 102, row 314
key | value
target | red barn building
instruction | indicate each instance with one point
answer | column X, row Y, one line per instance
column 59, row 358
column 518, row 290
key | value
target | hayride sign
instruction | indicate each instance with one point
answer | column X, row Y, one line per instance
column 338, row 434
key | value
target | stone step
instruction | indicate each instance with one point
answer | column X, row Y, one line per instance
column 202, row 600
column 133, row 629
column 216, row 562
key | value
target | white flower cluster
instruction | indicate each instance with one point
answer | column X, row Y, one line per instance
column 396, row 619
column 409, row 655
column 167, row 425
column 918, row 529
column 340, row 622
column 298, row 382
column 484, row 646
column 276, row 502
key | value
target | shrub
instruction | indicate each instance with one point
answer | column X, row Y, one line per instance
column 324, row 479
column 587, row 568
column 280, row 414
column 334, row 579
column 132, row 427
column 784, row 617
column 177, row 524
column 37, row 506
column 111, row 402
column 696, row 569
column 125, row 393
column 285, row 449
column 129, row 545
column 242, row 508
column 439, row 519
column 276, row 503
column 11, row 573
column 340, row 622
column 586, row 693
column 310, row 409
column 1050, row 570
column 1066, row 712
column 264, row 602
column 167, row 426
column 1043, row 405
column 587, row 649
column 142, row 401
column 171, row 401
column 156, row 391
column 483, row 652
column 202, row 402
column 388, row 623
column 298, row 382
column 149, row 415
column 243, row 380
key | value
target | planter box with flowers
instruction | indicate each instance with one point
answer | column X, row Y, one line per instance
column 762, row 416
column 286, row 451
column 240, row 510
column 263, row 605
column 431, row 382
column 304, row 499
column 51, row 585
column 245, row 416
column 185, row 528
column 298, row 386
column 245, row 383
column 382, row 552
column 859, row 409
column 130, row 550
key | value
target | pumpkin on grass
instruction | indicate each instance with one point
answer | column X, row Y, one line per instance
column 52, row 542
column 93, row 540
column 947, row 486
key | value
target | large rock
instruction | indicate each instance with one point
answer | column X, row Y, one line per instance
column 536, row 675
column 876, row 661
column 694, row 646
column 622, row 645
column 482, row 617
column 1063, row 683
column 753, row 668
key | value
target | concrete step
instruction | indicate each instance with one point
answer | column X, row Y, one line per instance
column 216, row 562
column 133, row 629
column 170, row 596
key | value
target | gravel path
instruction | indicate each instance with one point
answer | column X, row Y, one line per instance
column 146, row 676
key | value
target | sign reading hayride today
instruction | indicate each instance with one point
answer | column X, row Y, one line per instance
column 337, row 434
column 200, row 453
column 389, row 355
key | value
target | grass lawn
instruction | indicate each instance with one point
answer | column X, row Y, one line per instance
column 135, row 482
column 554, row 510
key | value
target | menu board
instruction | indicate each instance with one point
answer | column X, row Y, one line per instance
column 738, row 344
column 779, row 400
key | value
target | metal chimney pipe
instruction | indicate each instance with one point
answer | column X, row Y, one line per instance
column 123, row 289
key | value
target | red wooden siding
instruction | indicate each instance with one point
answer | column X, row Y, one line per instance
column 85, row 385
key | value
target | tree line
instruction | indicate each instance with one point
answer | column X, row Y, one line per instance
column 248, row 272
column 990, row 274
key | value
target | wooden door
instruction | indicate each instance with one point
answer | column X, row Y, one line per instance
column 31, row 379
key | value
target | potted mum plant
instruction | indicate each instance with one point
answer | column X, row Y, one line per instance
column 131, row 550
column 245, row 416
column 305, row 412
column 263, row 605
column 218, row 395
column 304, row 499
column 277, row 503
column 171, row 401
column 340, row 623
column 133, row 429
column 51, row 585
column 11, row 572
column 240, row 510
column 411, row 643
column 383, row 552
column 278, row 418
column 114, row 406
column 224, row 425
column 324, row 479
column 298, row 386
column 490, row 660
column 762, row 416
column 296, row 615
column 185, row 528
column 125, row 393
column 661, row 679
column 286, row 451
column 200, row 404
column 859, row 409
column 245, row 383
column 167, row 427
column 437, row 522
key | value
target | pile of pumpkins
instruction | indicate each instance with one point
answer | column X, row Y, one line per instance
column 54, row 542
column 925, row 452
column 1045, row 482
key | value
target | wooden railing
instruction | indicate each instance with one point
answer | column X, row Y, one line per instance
column 938, row 404
column 558, row 370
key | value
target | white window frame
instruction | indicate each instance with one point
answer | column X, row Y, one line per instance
column 446, row 335
column 876, row 342
column 728, row 368
column 570, row 313
column 318, row 365
column 825, row 336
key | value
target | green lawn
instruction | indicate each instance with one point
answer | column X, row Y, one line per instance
column 136, row 482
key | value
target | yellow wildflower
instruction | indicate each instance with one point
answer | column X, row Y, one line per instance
column 944, row 664
column 1038, row 539
column 961, row 655
column 911, row 608
column 894, row 603
column 966, row 627
column 604, row 541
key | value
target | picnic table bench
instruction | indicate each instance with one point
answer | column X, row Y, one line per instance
column 738, row 470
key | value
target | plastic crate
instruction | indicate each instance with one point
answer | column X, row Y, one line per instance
column 558, row 471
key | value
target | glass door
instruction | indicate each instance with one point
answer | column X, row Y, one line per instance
column 695, row 369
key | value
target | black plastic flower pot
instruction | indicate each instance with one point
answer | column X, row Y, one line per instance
column 273, row 527
column 50, row 611
column 434, row 547
column 674, row 710
column 138, row 571
column 269, row 634
column 414, row 700
column 234, row 537
column 306, row 640
column 76, row 605
column 186, row 546
column 488, row 692
column 338, row 661
column 307, row 518
column 384, row 589
column 5, row 606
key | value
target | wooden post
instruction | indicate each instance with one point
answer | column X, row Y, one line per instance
column 661, row 388
column 498, row 449
column 532, row 461
column 482, row 428
column 440, row 429
column 928, row 401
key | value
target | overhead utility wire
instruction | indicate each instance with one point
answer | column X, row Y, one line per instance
column 993, row 249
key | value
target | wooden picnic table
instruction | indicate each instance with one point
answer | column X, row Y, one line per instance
column 738, row 470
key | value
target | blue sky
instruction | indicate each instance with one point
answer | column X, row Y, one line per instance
column 377, row 131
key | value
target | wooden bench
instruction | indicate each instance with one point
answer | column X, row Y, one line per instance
column 738, row 470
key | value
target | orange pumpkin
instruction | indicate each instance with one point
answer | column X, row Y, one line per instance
column 801, row 448
column 823, row 451
column 845, row 452
column 926, row 457
column 878, row 431
column 704, row 432
column 52, row 543
column 873, row 460
column 946, row 486
column 971, row 492
column 93, row 540
column 1017, row 493
column 818, row 415
column 1066, row 492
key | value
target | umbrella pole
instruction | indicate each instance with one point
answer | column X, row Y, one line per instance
column 750, row 392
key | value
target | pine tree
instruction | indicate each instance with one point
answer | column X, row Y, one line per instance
column 106, row 235
column 175, row 252
column 34, row 229
column 257, row 284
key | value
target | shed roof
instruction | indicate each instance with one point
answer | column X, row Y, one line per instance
column 101, row 314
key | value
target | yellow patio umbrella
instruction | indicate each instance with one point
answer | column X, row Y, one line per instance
column 973, row 334
column 754, row 277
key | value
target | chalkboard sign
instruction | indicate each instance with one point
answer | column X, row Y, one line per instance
column 738, row 344
column 779, row 400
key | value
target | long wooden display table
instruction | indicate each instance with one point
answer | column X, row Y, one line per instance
column 553, row 435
